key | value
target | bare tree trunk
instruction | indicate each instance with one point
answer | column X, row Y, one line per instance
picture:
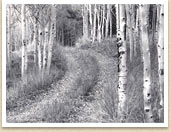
column 95, row 17
column 103, row 21
column 24, row 48
column 144, row 17
column 99, row 24
column 35, row 39
column 45, row 46
column 52, row 36
column 39, row 47
column 85, row 22
column 136, row 31
column 110, row 22
column 122, row 65
column 9, row 37
column 160, row 49
column 90, row 20
column 154, row 23
column 129, row 26
column 107, row 20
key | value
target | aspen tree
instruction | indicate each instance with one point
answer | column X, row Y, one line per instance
column 85, row 22
column 24, row 48
column 110, row 22
column 160, row 49
column 99, row 21
column 94, row 25
column 144, row 18
column 107, row 20
column 135, row 36
column 129, row 27
column 52, row 36
column 122, row 63
column 90, row 20
column 35, row 32
column 45, row 46
column 103, row 21
column 9, row 37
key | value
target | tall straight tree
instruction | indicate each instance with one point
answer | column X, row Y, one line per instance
column 94, row 22
column 129, row 27
column 85, row 21
column 110, row 22
column 24, row 47
column 122, row 63
column 160, row 49
column 144, row 22
column 52, row 36
column 35, row 34
column 9, row 36
column 107, row 20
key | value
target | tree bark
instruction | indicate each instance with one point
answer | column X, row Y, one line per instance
column 160, row 49
column 85, row 22
column 24, row 48
column 95, row 17
column 9, row 37
column 45, row 46
column 144, row 17
column 122, row 64
column 110, row 22
column 107, row 20
column 52, row 36
column 129, row 27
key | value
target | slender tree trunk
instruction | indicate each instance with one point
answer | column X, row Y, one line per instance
column 160, row 49
column 103, row 21
column 122, row 65
column 99, row 24
column 39, row 47
column 110, row 22
column 107, row 20
column 52, row 36
column 154, row 23
column 144, row 17
column 85, row 22
column 45, row 46
column 136, row 31
column 35, row 40
column 129, row 26
column 9, row 37
column 24, row 48
column 90, row 20
column 95, row 17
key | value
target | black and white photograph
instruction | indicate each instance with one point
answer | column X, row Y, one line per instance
column 85, row 64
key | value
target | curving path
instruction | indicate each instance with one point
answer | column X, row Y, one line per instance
column 93, row 107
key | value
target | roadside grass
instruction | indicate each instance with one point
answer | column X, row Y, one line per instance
column 64, row 109
column 22, row 92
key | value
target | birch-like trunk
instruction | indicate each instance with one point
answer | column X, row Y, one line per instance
column 129, row 27
column 144, row 18
column 85, row 22
column 24, row 48
column 99, row 21
column 103, row 21
column 107, row 20
column 122, row 64
column 94, row 25
column 39, row 47
column 35, row 40
column 160, row 49
column 110, row 22
column 135, row 36
column 52, row 36
column 45, row 46
column 90, row 20
column 9, row 37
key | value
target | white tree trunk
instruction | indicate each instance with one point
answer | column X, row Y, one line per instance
column 144, row 17
column 122, row 65
column 39, row 47
column 9, row 37
column 160, row 49
column 94, row 25
column 52, row 36
column 110, row 22
column 107, row 20
column 85, row 22
column 129, row 27
column 45, row 46
column 35, row 40
column 24, row 48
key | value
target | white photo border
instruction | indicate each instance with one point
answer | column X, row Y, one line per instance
column 4, row 122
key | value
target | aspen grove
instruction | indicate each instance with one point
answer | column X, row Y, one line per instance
column 85, row 63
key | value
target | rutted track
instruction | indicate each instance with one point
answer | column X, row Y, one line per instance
column 91, row 109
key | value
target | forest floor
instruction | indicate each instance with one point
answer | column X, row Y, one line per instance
column 86, row 93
